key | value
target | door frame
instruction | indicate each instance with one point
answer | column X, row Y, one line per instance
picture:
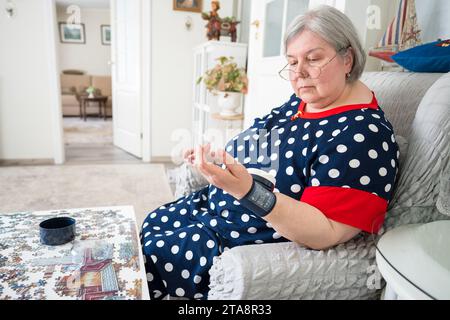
column 59, row 156
column 146, row 81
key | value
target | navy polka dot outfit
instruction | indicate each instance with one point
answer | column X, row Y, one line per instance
column 343, row 162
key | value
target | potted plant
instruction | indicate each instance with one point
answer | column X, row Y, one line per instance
column 91, row 91
column 228, row 82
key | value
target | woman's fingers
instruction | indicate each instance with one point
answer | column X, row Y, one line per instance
column 199, row 155
column 187, row 155
column 234, row 166
column 204, row 154
column 191, row 159
column 205, row 161
column 209, row 154
column 236, row 180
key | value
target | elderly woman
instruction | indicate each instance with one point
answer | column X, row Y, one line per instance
column 330, row 148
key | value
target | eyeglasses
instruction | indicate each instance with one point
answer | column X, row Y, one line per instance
column 312, row 69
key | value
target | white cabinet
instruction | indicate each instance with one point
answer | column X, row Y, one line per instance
column 207, row 126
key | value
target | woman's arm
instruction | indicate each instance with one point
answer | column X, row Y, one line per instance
column 292, row 219
column 306, row 225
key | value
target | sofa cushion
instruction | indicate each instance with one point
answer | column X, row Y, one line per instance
column 69, row 99
column 403, row 148
column 68, row 90
column 399, row 95
column 103, row 83
column 187, row 179
column 430, row 57
column 71, row 110
column 426, row 162
column 80, row 82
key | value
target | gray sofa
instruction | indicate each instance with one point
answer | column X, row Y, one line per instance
column 418, row 106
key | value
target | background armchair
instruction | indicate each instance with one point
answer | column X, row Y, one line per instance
column 418, row 106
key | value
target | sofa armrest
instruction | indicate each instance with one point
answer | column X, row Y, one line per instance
column 289, row 271
column 186, row 179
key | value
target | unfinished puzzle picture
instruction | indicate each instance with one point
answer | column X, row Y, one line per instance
column 104, row 261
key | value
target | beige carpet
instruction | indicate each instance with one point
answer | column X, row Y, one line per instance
column 93, row 130
column 144, row 186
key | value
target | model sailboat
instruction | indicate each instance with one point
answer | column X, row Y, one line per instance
column 403, row 33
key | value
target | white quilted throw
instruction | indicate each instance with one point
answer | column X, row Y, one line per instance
column 443, row 203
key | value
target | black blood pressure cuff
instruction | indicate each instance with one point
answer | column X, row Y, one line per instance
column 260, row 199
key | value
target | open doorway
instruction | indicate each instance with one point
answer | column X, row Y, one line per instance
column 85, row 73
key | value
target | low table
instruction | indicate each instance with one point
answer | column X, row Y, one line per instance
column 104, row 262
column 414, row 261
column 101, row 100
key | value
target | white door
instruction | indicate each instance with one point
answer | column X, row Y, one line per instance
column 126, row 66
column 267, row 90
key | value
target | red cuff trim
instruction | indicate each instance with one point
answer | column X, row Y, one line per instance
column 359, row 209
column 307, row 115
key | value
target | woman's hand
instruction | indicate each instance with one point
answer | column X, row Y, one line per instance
column 189, row 156
column 234, row 179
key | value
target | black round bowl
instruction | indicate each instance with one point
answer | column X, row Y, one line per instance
column 57, row 231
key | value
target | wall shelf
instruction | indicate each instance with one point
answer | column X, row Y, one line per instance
column 237, row 117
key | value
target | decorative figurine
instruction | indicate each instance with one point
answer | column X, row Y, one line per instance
column 229, row 28
column 217, row 26
column 214, row 24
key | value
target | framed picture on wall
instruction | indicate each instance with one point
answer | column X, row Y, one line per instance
column 188, row 5
column 72, row 33
column 106, row 34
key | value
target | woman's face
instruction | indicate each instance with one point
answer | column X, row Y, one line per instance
column 307, row 49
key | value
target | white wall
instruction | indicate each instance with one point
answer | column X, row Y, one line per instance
column 91, row 57
column 434, row 19
column 357, row 11
column 172, row 70
column 372, row 36
column 25, row 82
column 244, row 8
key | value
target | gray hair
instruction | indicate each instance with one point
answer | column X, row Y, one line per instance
column 336, row 29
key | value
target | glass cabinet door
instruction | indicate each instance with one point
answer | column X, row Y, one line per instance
column 294, row 8
column 278, row 15
column 273, row 27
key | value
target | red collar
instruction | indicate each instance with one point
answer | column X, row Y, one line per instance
column 317, row 115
